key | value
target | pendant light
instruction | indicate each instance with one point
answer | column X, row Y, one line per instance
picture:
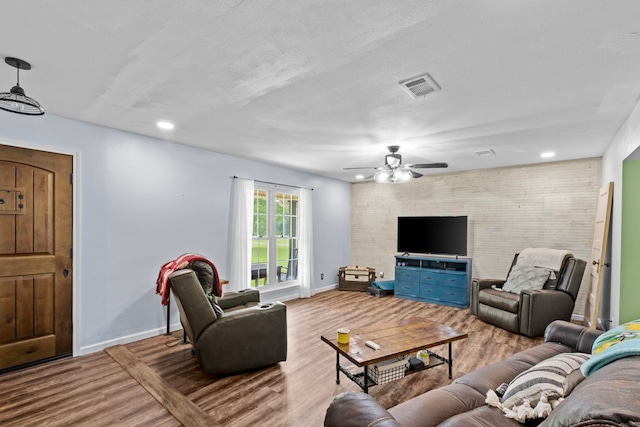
column 15, row 100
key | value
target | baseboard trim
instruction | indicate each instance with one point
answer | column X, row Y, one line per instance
column 126, row 339
column 327, row 288
column 270, row 296
column 289, row 293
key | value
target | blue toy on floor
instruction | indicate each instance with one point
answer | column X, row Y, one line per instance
column 379, row 288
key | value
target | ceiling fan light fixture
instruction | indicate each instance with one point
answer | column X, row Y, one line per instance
column 402, row 175
column 393, row 176
column 382, row 176
column 15, row 100
column 394, row 172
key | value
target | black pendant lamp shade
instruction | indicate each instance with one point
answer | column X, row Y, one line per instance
column 15, row 100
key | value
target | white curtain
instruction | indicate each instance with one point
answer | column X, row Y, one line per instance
column 241, row 233
column 305, row 241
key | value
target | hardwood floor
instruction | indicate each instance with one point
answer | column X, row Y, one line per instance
column 95, row 390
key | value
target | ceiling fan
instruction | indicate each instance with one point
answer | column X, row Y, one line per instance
column 394, row 171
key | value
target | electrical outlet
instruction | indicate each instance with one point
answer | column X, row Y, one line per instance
column 322, row 276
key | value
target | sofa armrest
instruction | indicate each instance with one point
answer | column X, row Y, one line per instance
column 477, row 285
column 538, row 308
column 577, row 336
column 356, row 409
column 234, row 299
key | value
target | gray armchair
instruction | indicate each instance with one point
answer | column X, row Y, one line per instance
column 241, row 334
column 530, row 312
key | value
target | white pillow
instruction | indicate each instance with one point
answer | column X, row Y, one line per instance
column 531, row 278
column 539, row 389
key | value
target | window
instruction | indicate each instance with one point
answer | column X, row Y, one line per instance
column 274, row 250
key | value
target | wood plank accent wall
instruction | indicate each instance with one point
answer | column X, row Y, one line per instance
column 543, row 205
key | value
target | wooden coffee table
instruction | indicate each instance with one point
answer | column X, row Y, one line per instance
column 395, row 338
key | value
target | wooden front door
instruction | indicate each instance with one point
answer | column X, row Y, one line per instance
column 35, row 256
column 598, row 254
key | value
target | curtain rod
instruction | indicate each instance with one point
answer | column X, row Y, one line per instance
column 273, row 183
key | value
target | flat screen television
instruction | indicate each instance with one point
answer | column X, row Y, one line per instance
column 444, row 235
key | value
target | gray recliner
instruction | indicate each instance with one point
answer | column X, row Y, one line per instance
column 245, row 334
column 530, row 312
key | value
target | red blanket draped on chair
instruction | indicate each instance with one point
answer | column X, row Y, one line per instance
column 162, row 284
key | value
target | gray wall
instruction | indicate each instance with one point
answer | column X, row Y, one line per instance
column 141, row 202
column 544, row 205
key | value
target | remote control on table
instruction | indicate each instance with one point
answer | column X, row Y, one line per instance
column 372, row 345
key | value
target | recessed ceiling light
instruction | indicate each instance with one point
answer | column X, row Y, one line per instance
column 359, row 176
column 547, row 154
column 165, row 125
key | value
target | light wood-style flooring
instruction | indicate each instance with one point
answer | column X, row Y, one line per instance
column 95, row 390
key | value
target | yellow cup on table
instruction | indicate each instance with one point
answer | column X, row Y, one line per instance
column 343, row 336
column 424, row 356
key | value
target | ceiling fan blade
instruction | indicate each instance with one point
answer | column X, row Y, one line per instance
column 415, row 174
column 430, row 165
column 363, row 167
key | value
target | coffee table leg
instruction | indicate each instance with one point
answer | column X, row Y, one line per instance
column 365, row 387
column 450, row 362
column 337, row 368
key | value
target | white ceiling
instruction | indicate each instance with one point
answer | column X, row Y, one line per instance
column 313, row 85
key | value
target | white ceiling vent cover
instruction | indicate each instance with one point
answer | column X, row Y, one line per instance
column 420, row 86
column 485, row 153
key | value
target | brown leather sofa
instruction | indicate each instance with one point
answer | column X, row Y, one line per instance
column 530, row 312
column 244, row 334
column 607, row 397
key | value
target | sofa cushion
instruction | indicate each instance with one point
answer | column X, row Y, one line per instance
column 482, row 416
column 536, row 391
column 505, row 301
column 608, row 397
column 530, row 278
column 491, row 376
column 435, row 406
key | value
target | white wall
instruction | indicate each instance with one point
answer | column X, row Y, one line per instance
column 141, row 202
column 624, row 144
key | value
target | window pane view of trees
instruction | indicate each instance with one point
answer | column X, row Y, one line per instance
column 274, row 255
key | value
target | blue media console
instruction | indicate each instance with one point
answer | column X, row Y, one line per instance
column 436, row 279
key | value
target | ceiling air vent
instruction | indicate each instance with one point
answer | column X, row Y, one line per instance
column 420, row 86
